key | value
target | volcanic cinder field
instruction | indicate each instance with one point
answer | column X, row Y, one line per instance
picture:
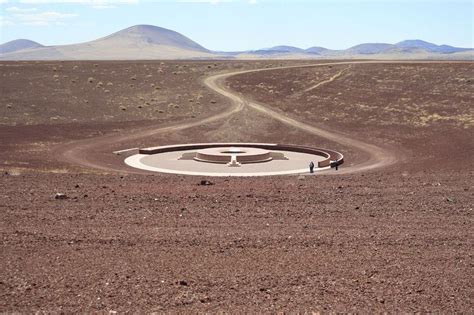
column 390, row 230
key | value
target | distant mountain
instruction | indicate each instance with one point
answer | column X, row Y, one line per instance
column 416, row 44
column 281, row 51
column 369, row 48
column 446, row 49
column 17, row 45
column 152, row 35
column 136, row 42
column 286, row 49
column 141, row 42
column 276, row 51
column 408, row 49
column 317, row 50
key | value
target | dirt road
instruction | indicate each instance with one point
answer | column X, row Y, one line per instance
column 379, row 157
column 79, row 152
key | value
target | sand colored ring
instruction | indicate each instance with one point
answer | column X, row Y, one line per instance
column 234, row 159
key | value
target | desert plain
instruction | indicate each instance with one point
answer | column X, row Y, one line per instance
column 391, row 230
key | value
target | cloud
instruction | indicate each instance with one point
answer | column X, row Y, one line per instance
column 103, row 6
column 85, row 2
column 95, row 4
column 20, row 10
column 205, row 1
column 5, row 21
column 106, row 4
column 212, row 1
column 40, row 18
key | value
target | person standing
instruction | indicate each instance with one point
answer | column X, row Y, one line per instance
column 311, row 167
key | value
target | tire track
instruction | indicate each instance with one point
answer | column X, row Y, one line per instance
column 319, row 84
column 334, row 77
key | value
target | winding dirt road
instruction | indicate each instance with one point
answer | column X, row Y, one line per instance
column 79, row 152
column 378, row 157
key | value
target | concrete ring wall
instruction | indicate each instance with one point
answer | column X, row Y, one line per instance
column 332, row 158
column 221, row 155
column 210, row 158
column 256, row 158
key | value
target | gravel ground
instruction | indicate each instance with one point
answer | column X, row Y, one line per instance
column 74, row 239
column 373, row 242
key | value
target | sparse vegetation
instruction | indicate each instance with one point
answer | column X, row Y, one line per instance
column 286, row 237
column 377, row 92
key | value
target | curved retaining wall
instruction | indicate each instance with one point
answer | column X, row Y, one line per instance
column 216, row 155
column 220, row 159
column 332, row 158
column 256, row 158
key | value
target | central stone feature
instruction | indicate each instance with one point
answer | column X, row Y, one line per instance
column 233, row 156
column 233, row 150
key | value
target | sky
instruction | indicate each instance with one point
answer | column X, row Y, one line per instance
column 236, row 25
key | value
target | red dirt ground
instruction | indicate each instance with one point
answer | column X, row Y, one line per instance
column 392, row 239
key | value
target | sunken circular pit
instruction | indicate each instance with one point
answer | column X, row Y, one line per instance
column 233, row 155
column 234, row 159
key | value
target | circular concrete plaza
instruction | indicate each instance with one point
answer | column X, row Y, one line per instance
column 233, row 159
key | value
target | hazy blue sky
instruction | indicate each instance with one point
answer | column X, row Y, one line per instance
column 245, row 24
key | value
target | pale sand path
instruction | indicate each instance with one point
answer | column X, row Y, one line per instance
column 334, row 77
column 319, row 84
